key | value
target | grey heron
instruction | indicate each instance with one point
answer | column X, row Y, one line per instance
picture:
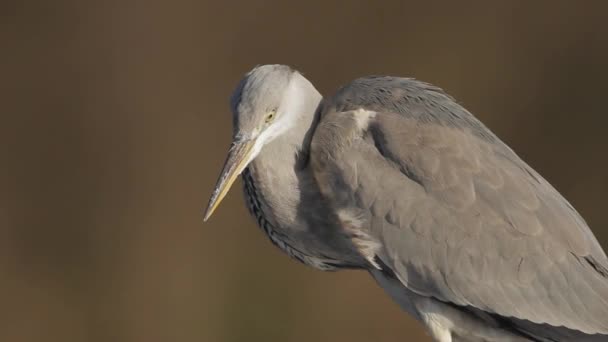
column 391, row 175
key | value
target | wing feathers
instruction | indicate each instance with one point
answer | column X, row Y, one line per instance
column 458, row 216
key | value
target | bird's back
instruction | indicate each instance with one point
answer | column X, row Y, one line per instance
column 455, row 215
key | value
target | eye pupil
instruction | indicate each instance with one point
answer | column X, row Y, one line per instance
column 270, row 116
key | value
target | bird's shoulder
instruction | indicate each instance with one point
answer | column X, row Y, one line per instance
column 405, row 96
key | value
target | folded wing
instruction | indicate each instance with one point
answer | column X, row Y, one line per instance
column 452, row 210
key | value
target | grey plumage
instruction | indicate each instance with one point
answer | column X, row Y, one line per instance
column 391, row 175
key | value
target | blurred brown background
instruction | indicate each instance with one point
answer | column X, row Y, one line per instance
column 114, row 124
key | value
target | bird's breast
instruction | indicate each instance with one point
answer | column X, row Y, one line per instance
column 278, row 234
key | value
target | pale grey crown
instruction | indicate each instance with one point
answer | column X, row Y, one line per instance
column 258, row 93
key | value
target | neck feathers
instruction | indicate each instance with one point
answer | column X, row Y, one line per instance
column 279, row 163
column 302, row 100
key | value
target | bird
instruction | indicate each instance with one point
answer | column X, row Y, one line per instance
column 393, row 176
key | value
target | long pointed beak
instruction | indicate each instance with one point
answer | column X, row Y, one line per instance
column 237, row 159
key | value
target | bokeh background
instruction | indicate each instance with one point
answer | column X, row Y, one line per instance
column 114, row 122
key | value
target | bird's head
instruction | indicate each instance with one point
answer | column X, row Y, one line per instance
column 266, row 103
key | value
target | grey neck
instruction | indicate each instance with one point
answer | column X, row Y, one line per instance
column 279, row 187
column 280, row 165
column 277, row 183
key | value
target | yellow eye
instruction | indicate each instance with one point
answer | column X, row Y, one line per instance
column 270, row 116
